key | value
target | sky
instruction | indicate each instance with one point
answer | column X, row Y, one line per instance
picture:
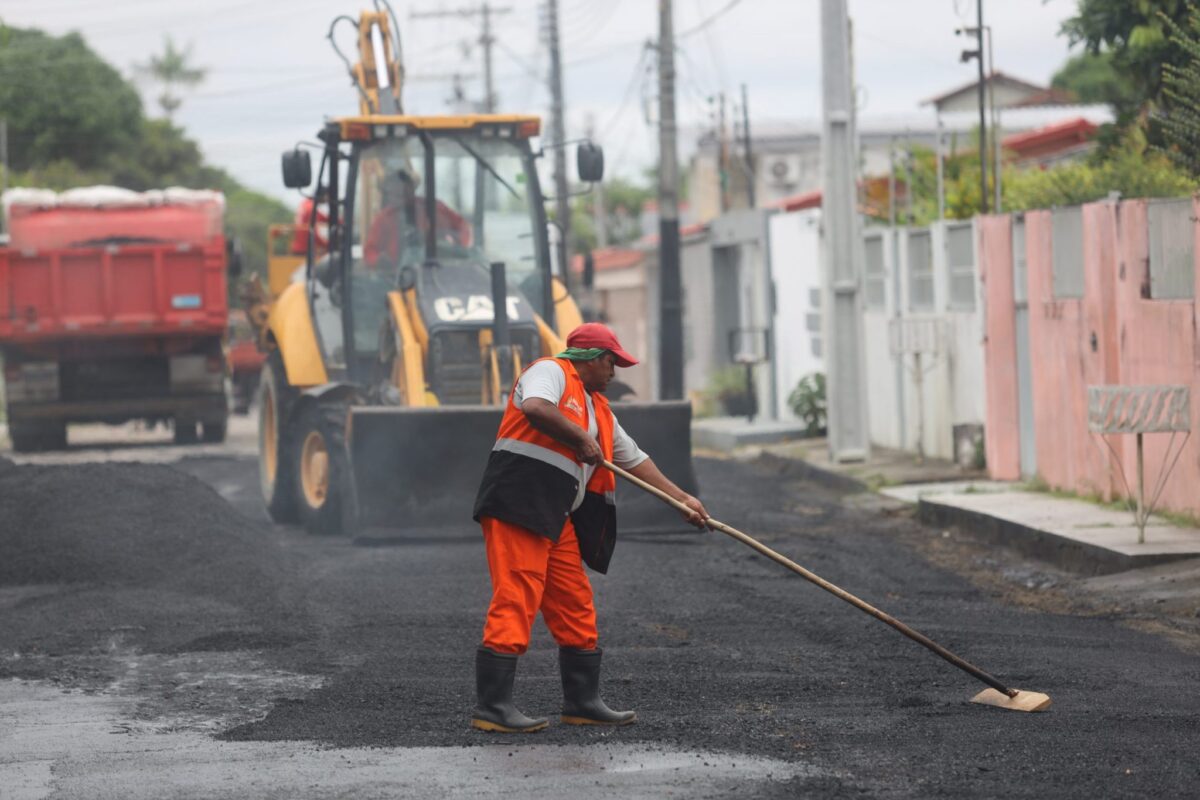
column 272, row 75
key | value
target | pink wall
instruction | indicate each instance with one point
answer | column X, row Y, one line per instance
column 1157, row 341
column 1114, row 335
column 1001, row 428
column 1065, row 456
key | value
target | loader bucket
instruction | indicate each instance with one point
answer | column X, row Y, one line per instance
column 418, row 469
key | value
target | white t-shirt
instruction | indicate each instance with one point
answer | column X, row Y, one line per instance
column 545, row 380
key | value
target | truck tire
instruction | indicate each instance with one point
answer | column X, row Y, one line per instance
column 32, row 437
column 322, row 468
column 55, row 436
column 276, row 465
column 185, row 432
column 213, row 432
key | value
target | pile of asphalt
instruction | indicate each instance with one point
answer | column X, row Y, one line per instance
column 131, row 555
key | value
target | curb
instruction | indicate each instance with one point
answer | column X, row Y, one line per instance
column 1074, row 556
column 1068, row 554
column 799, row 468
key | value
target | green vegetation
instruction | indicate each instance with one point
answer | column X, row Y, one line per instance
column 172, row 69
column 807, row 402
column 1133, row 169
column 623, row 201
column 1038, row 484
column 1179, row 127
column 74, row 121
column 725, row 394
column 1133, row 35
column 1092, row 78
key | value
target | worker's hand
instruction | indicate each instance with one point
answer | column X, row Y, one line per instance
column 698, row 515
column 588, row 450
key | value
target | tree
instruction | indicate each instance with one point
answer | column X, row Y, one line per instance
column 74, row 121
column 1092, row 78
column 1132, row 168
column 1134, row 33
column 62, row 102
column 623, row 200
column 171, row 69
column 1179, row 122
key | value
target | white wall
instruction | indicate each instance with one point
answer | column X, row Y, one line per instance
column 795, row 257
column 952, row 388
column 884, row 409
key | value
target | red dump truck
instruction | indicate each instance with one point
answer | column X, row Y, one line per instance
column 113, row 307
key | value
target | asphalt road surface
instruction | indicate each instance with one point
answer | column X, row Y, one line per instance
column 158, row 638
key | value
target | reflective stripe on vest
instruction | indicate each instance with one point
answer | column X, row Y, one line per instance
column 541, row 453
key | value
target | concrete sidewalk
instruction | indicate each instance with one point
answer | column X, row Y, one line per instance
column 1077, row 535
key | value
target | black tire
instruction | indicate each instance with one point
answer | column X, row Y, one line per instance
column 34, row 437
column 276, row 477
column 185, row 432
column 55, row 436
column 24, row 438
column 321, row 473
column 213, row 432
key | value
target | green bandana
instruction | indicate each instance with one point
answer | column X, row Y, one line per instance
column 582, row 353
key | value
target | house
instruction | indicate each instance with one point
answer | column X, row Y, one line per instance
column 1053, row 144
column 786, row 154
column 1006, row 92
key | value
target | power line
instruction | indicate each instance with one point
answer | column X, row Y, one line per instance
column 732, row 4
column 638, row 70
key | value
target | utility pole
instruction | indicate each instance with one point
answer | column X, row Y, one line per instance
column 846, row 386
column 670, row 334
column 983, row 148
column 749, row 154
column 995, row 124
column 558, row 132
column 485, row 11
column 722, row 153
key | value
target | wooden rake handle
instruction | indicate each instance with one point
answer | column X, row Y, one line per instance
column 812, row 577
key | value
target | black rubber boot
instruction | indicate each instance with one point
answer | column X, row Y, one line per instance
column 581, row 690
column 494, row 709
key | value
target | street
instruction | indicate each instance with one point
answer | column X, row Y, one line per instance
column 197, row 650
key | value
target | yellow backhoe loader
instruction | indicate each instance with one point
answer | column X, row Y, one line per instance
column 389, row 361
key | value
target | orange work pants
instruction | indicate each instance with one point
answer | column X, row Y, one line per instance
column 531, row 573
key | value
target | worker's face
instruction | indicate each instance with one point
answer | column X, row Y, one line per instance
column 596, row 373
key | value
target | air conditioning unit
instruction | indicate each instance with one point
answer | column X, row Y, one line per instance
column 781, row 171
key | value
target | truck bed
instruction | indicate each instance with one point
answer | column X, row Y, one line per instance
column 112, row 291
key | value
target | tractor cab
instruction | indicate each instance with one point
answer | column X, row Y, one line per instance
column 426, row 206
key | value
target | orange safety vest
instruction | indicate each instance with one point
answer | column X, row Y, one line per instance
column 532, row 479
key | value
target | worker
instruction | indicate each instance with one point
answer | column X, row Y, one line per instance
column 401, row 223
column 304, row 218
column 546, row 508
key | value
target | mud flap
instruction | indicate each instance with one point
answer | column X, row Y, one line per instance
column 418, row 469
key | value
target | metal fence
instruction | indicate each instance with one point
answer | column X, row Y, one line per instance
column 1068, row 252
column 1172, row 249
column 920, row 270
column 960, row 262
column 1020, row 262
column 875, row 279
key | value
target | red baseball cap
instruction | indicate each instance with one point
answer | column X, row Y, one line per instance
column 595, row 334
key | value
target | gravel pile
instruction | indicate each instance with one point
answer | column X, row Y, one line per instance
column 136, row 547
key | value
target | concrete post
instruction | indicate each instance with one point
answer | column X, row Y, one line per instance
column 846, row 382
